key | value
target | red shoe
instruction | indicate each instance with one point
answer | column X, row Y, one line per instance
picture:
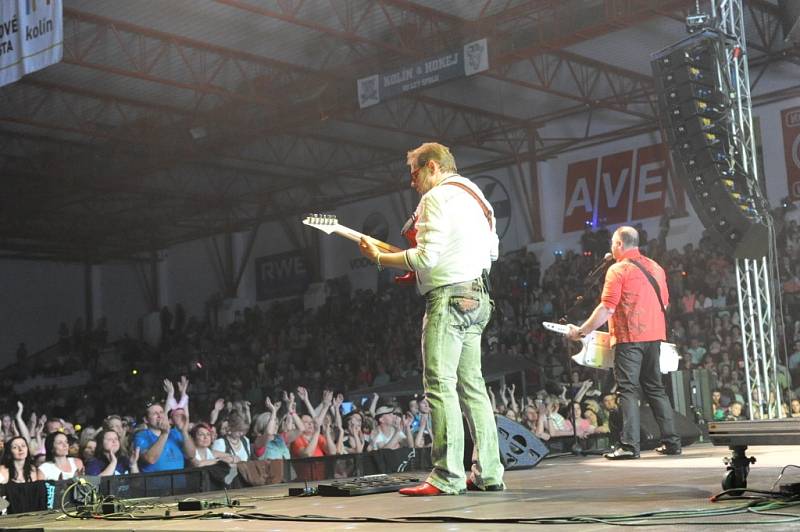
column 422, row 490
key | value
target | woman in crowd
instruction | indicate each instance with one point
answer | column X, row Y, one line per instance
column 108, row 459
column 115, row 423
column 235, row 443
column 354, row 441
column 17, row 464
column 203, row 455
column 58, row 465
column 268, row 445
column 87, row 444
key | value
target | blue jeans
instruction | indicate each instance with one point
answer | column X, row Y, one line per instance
column 455, row 316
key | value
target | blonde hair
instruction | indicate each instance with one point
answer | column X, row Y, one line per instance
column 432, row 151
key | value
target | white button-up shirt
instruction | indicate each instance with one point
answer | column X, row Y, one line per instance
column 454, row 240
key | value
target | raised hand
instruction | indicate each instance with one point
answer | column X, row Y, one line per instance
column 219, row 404
column 272, row 407
column 168, row 387
column 302, row 393
column 327, row 397
column 183, row 385
column 512, row 388
column 338, row 400
column 408, row 419
column 20, row 408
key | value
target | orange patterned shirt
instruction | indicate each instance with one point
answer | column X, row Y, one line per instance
column 630, row 296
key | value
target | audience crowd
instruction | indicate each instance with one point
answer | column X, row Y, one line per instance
column 288, row 382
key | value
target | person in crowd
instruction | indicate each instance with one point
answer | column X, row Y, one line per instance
column 267, row 443
column 17, row 463
column 235, row 444
column 635, row 309
column 108, row 458
column 355, row 441
column 456, row 245
column 734, row 412
column 161, row 447
column 87, row 449
column 423, row 437
column 115, row 423
column 794, row 408
column 58, row 465
column 393, row 431
column 204, row 455
column 311, row 442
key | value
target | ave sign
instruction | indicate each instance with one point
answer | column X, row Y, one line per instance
column 617, row 188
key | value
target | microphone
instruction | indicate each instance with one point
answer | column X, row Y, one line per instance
column 607, row 259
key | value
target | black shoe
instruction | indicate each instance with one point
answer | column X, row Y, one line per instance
column 669, row 449
column 492, row 487
column 621, row 453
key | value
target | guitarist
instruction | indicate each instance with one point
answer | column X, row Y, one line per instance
column 634, row 300
column 456, row 244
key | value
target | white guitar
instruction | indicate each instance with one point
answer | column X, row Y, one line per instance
column 596, row 351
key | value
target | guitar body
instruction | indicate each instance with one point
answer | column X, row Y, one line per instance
column 596, row 351
column 408, row 278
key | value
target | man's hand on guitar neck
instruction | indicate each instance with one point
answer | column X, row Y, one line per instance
column 382, row 260
column 574, row 333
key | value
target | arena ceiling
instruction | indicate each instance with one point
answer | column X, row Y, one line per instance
column 168, row 121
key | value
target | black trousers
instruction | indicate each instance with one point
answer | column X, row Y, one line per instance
column 636, row 369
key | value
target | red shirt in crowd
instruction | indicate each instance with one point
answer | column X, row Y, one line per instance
column 300, row 443
column 630, row 296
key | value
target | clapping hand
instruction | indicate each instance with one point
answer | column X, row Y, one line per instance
column 408, row 419
column 219, row 404
column 183, row 385
column 272, row 407
column 302, row 393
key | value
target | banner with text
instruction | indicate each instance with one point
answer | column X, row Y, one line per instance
column 31, row 37
column 620, row 187
column 473, row 58
column 282, row 275
column 790, row 119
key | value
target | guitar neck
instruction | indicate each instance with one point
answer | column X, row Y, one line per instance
column 555, row 327
column 355, row 236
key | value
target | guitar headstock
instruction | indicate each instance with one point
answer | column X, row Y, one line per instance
column 326, row 223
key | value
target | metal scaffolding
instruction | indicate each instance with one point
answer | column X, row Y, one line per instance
column 754, row 277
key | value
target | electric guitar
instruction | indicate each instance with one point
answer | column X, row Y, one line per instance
column 596, row 351
column 329, row 224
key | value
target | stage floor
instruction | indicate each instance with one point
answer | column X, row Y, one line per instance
column 557, row 487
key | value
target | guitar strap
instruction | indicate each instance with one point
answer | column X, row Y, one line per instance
column 653, row 283
column 474, row 195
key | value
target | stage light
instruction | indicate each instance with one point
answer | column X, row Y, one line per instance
column 134, row 372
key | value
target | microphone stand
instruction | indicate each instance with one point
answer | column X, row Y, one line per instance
column 593, row 281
